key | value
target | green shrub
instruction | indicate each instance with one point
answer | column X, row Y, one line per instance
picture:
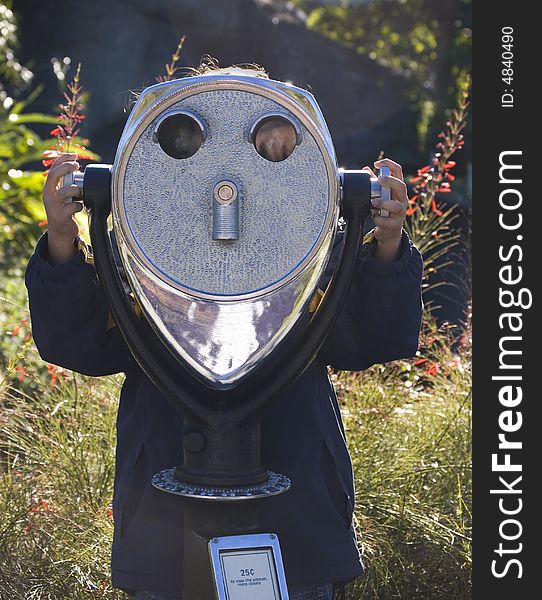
column 408, row 427
column 57, row 453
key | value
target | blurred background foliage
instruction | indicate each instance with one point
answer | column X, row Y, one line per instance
column 408, row 422
column 428, row 42
column 20, row 190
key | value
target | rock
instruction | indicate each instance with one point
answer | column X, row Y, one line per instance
column 123, row 45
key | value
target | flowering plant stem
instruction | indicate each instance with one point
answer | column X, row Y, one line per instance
column 171, row 67
column 69, row 119
column 428, row 223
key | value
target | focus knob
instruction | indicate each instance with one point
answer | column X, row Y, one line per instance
column 75, row 178
column 377, row 191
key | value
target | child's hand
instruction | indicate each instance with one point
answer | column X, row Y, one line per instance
column 389, row 229
column 61, row 225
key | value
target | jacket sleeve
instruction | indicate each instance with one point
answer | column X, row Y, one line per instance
column 69, row 316
column 381, row 319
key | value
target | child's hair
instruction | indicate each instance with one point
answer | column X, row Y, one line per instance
column 208, row 66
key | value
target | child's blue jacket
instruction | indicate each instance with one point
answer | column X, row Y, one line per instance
column 303, row 435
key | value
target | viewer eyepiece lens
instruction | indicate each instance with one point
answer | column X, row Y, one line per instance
column 180, row 135
column 274, row 138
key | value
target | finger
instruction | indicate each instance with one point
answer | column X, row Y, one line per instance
column 397, row 186
column 54, row 175
column 64, row 194
column 70, row 208
column 387, row 223
column 395, row 168
column 369, row 170
column 63, row 169
column 63, row 158
column 394, row 207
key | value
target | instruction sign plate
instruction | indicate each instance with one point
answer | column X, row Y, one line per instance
column 247, row 567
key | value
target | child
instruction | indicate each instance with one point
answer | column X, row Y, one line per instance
column 302, row 435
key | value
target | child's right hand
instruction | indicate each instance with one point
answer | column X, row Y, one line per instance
column 61, row 225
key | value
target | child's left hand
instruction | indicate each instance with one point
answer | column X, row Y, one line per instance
column 388, row 230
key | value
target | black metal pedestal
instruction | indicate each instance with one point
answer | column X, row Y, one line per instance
column 213, row 512
column 221, row 480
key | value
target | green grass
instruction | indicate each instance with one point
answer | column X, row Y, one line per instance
column 410, row 447
column 408, row 427
column 55, row 492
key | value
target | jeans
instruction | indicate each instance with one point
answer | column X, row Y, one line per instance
column 323, row 591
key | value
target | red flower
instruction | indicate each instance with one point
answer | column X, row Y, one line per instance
column 54, row 372
column 18, row 328
column 433, row 369
column 455, row 363
column 22, row 372
column 434, row 208
column 40, row 505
